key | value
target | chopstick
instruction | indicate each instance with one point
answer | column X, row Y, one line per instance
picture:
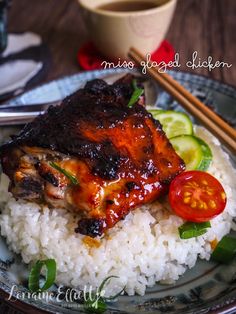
column 193, row 105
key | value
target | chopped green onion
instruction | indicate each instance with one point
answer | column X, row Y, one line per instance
column 102, row 285
column 225, row 250
column 192, row 230
column 97, row 304
column 115, row 296
column 70, row 176
column 136, row 94
column 34, row 276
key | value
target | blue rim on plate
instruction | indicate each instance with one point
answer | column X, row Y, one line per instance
column 208, row 287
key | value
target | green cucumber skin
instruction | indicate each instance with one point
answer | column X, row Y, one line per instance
column 155, row 112
column 159, row 112
column 207, row 155
column 189, row 122
column 206, row 151
column 192, row 142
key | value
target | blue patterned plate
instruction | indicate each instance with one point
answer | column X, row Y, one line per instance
column 207, row 288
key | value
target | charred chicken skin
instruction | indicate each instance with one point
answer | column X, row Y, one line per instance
column 119, row 156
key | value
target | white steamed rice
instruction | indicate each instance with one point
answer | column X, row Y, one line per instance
column 143, row 249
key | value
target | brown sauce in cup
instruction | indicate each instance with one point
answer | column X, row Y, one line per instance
column 127, row 6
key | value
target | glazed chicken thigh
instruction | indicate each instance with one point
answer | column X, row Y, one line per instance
column 94, row 155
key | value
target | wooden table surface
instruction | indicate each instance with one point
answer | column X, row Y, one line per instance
column 206, row 26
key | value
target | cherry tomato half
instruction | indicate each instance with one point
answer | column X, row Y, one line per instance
column 197, row 196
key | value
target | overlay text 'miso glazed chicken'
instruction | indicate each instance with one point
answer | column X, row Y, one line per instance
column 119, row 156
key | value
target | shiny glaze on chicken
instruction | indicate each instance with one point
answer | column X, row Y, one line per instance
column 120, row 156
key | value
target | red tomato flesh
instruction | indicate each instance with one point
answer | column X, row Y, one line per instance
column 197, row 196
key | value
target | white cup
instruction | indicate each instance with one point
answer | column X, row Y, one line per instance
column 114, row 32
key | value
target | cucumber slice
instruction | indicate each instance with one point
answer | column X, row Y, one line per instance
column 207, row 155
column 194, row 151
column 189, row 149
column 174, row 123
column 155, row 112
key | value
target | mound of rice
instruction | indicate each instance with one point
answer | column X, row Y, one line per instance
column 143, row 249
